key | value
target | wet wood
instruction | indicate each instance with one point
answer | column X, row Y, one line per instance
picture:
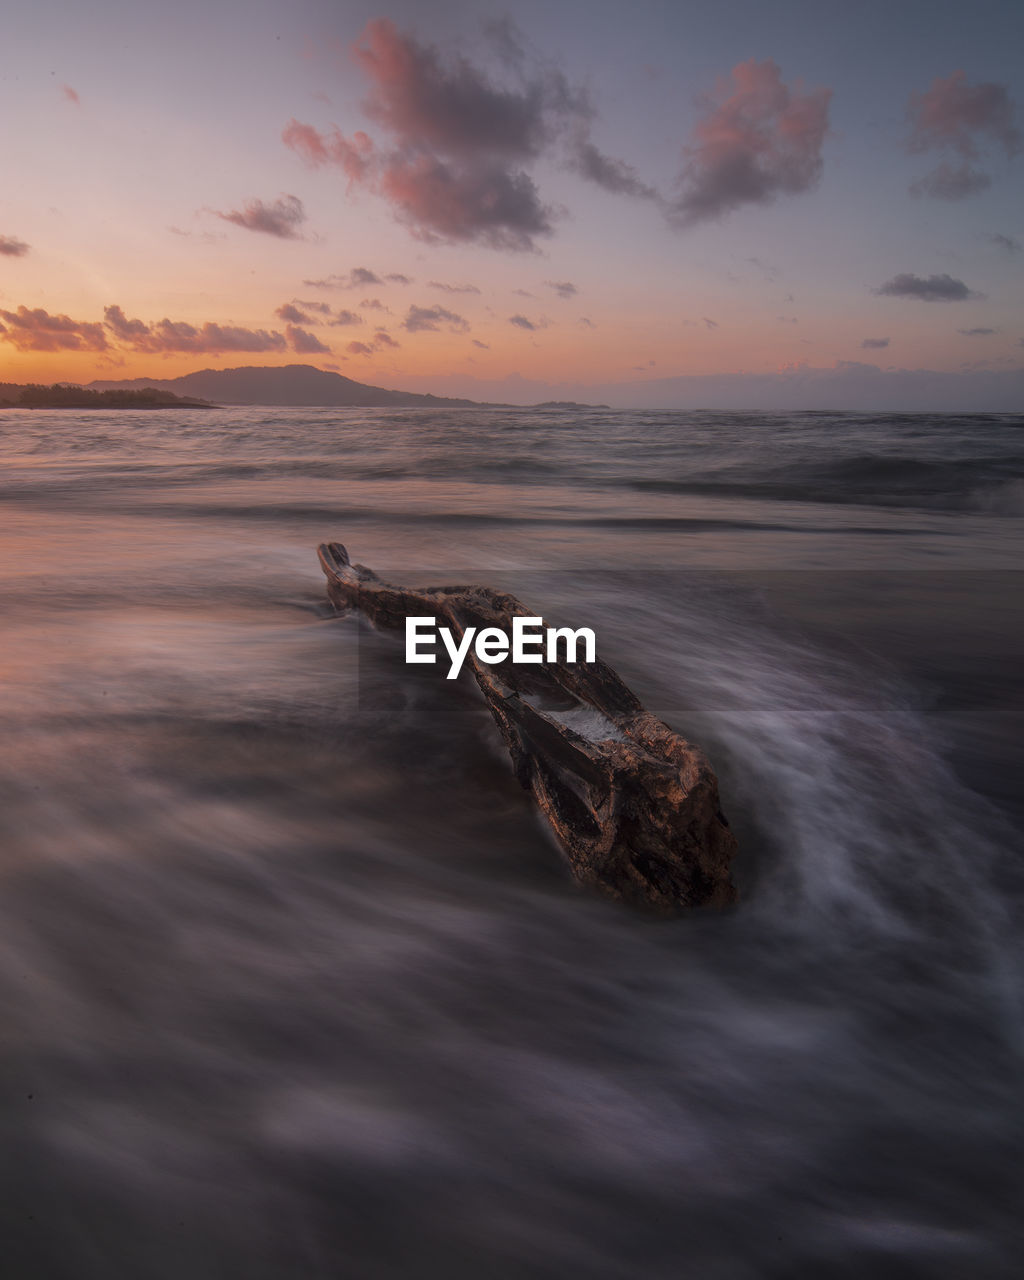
column 633, row 805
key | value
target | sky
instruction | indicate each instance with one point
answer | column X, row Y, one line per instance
column 653, row 201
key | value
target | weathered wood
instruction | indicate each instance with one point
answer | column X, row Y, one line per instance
column 633, row 805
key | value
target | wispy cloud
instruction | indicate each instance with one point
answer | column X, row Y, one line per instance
column 875, row 344
column 977, row 333
column 709, row 323
column 345, row 317
column 943, row 288
column 951, row 182
column 12, row 247
column 452, row 288
column 357, row 278
column 482, row 345
column 564, row 288
column 758, row 140
column 282, row 218
column 613, row 175
column 1007, row 243
column 966, row 120
column 430, row 319
column 70, row 94
column 521, row 322
column 36, row 330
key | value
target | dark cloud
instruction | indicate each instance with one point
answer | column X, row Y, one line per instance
column 709, row 323
column 1006, row 243
column 966, row 120
column 949, row 182
column 455, row 108
column 37, row 330
column 359, row 349
column 396, row 277
column 282, row 218
column 976, row 333
column 564, row 288
column 759, row 140
column 344, row 316
column 444, row 202
column 287, row 311
column 373, row 304
column 12, row 247
column 462, row 137
column 384, row 339
column 875, row 344
column 482, row 345
column 521, row 322
column 452, row 288
column 931, row 289
column 305, row 343
column 455, row 172
column 167, row 336
column 615, row 176
column 321, row 308
column 430, row 319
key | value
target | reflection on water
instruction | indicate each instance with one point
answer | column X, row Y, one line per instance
column 294, row 982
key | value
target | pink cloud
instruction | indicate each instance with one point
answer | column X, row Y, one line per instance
column 167, row 336
column 305, row 343
column 12, row 247
column 955, row 116
column 355, row 156
column 460, row 139
column 287, row 311
column 70, row 94
column 37, row 330
column 953, row 113
column 759, row 140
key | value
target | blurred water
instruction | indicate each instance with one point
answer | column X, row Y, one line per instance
column 294, row 983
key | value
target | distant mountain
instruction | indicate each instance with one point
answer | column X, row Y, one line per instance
column 290, row 384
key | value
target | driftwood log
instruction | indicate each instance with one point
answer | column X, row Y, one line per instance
column 633, row 805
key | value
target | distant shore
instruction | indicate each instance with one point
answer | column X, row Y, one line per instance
column 65, row 396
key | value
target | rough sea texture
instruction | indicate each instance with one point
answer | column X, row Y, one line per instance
column 294, row 984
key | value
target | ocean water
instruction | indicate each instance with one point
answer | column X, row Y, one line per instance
column 294, row 983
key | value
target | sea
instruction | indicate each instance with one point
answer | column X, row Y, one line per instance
column 296, row 984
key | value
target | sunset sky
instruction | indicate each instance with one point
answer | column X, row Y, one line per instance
column 470, row 199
